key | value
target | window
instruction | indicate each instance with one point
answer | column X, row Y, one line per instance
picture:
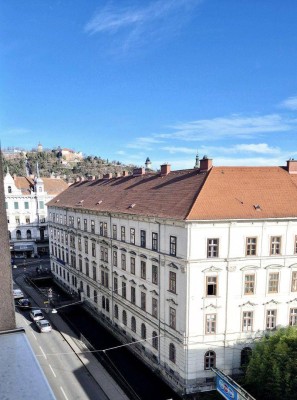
column 133, row 324
column 26, row 205
column 132, row 235
column 103, row 302
column 133, row 295
column 273, row 282
column 114, row 232
column 85, row 225
column 132, row 265
column 86, row 246
column 247, row 321
column 143, row 331
column 251, row 246
column 143, row 301
column 88, row 291
column 275, row 245
column 172, row 318
column 245, row 355
column 172, row 282
column 124, row 317
column 115, row 284
column 116, row 311
column 95, row 296
column 249, row 284
column 78, row 222
column 41, row 205
column 29, row 234
column 105, row 229
column 124, row 290
column 87, row 268
column 16, row 205
column 79, row 243
column 210, row 323
column 172, row 353
column 271, row 319
column 155, row 307
column 18, row 234
column 123, row 234
column 212, row 248
column 9, row 189
column 80, row 264
column 92, row 226
column 294, row 282
column 143, row 269
column 154, row 241
column 17, row 220
column 209, row 360
column 155, row 274
column 101, row 228
column 93, row 249
column 115, row 258
column 155, row 340
column 142, row 238
column 211, row 286
column 94, row 273
column 293, row 317
column 123, row 261
column 107, row 305
column 172, row 250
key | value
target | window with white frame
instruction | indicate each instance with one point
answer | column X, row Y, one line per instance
column 209, row 360
column 251, row 246
column 133, row 295
column 211, row 286
column 275, row 245
column 247, row 321
column 132, row 235
column 293, row 317
column 143, row 331
column 273, row 280
column 172, row 250
column 86, row 246
column 105, row 233
column 155, row 340
column 85, row 224
column 143, row 301
column 155, row 274
column 143, row 269
column 172, row 317
column 154, row 307
column 294, row 282
column 154, row 241
column 114, row 232
column 210, row 323
column 270, row 319
column 124, row 289
column 92, row 226
column 123, row 234
column 212, row 248
column 133, row 324
column 123, row 261
column 172, row 282
column 124, row 317
column 172, row 353
column 249, row 284
column 115, row 258
column 115, row 284
column 142, row 238
column 93, row 249
column 132, row 265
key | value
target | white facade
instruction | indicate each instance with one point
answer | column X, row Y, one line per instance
column 219, row 285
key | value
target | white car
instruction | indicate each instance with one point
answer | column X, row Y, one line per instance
column 17, row 293
column 43, row 325
column 36, row 315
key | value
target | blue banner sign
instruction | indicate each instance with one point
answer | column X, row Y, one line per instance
column 225, row 389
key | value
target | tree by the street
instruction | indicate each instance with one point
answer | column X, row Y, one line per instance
column 272, row 369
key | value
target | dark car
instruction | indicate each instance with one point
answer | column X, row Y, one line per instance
column 24, row 303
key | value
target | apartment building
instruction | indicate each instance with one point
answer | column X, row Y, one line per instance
column 26, row 209
column 191, row 267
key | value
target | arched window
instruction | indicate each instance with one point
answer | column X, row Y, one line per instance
column 116, row 311
column 18, row 234
column 124, row 317
column 107, row 305
column 155, row 340
column 95, row 296
column 103, row 302
column 133, row 324
column 209, row 359
column 172, row 353
column 88, row 291
column 143, row 331
column 245, row 355
column 29, row 234
column 9, row 189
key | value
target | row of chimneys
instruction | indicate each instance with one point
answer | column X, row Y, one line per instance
column 205, row 165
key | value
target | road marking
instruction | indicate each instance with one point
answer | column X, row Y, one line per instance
column 34, row 335
column 43, row 352
column 52, row 371
column 63, row 393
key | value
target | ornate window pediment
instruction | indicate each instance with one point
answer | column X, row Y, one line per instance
column 291, row 301
column 104, row 242
column 211, row 306
column 132, row 252
column 293, row 266
column 123, row 249
column 154, row 259
column 143, row 256
column 143, row 287
column 123, row 277
column 271, row 302
column 274, row 266
column 212, row 269
column 114, row 246
column 171, row 301
column 154, row 292
column 172, row 265
column 249, row 267
column 132, row 281
column 248, row 303
column 115, row 273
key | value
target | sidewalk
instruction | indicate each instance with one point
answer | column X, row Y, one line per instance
column 104, row 380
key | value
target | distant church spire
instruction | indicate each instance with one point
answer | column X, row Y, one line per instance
column 197, row 163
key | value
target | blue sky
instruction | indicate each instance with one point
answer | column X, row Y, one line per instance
column 129, row 79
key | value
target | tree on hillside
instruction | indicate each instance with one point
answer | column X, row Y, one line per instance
column 272, row 370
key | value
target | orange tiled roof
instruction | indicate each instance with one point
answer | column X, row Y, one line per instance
column 169, row 196
column 52, row 186
column 235, row 192
column 221, row 193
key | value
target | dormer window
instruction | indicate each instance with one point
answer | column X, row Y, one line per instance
column 40, row 189
column 9, row 189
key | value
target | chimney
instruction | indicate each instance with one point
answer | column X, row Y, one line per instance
column 165, row 169
column 138, row 171
column 205, row 164
column 107, row 176
column 292, row 166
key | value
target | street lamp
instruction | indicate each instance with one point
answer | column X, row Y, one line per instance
column 54, row 310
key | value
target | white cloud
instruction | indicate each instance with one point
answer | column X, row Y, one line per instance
column 143, row 143
column 290, row 103
column 176, row 149
column 137, row 24
column 262, row 148
column 233, row 126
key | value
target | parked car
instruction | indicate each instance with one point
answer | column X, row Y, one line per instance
column 36, row 315
column 24, row 303
column 43, row 325
column 17, row 293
